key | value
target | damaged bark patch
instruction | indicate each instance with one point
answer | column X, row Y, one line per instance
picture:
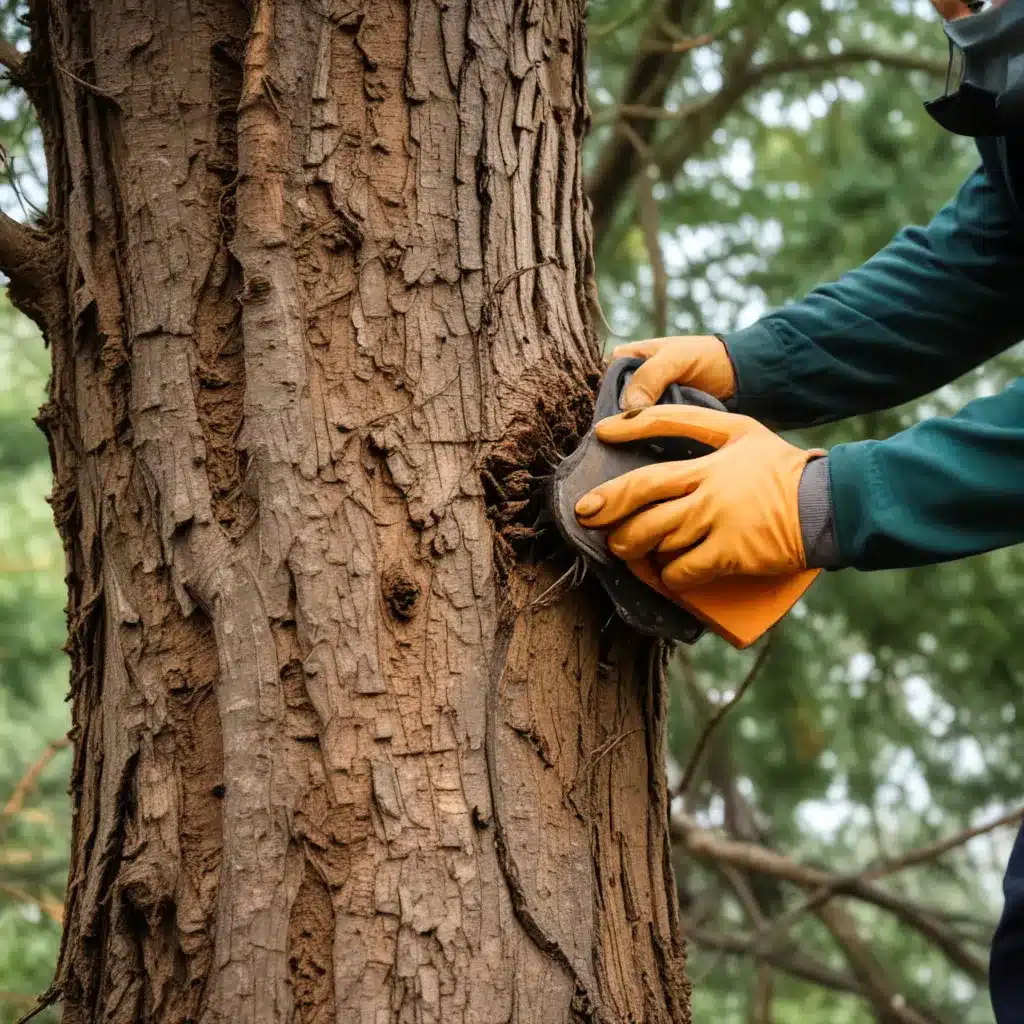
column 517, row 469
column 311, row 951
column 199, row 742
column 220, row 363
column 401, row 594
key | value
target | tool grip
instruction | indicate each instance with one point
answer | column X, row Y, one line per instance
column 738, row 608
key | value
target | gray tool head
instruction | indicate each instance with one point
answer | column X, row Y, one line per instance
column 592, row 464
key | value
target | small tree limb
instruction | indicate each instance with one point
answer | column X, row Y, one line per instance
column 922, row 855
column 612, row 112
column 706, row 845
column 797, row 965
column 718, row 717
column 650, row 223
column 891, row 1006
column 762, row 996
column 11, row 57
column 27, row 257
column 741, row 77
column 931, row 851
column 850, row 55
column 676, row 45
column 27, row 782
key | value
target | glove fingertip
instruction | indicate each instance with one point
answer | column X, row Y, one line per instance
column 635, row 398
column 677, row 579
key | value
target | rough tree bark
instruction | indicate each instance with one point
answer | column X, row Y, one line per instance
column 315, row 291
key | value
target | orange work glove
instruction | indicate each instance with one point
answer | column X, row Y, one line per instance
column 698, row 361
column 951, row 9
column 732, row 512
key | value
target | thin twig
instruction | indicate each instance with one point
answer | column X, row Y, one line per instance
column 637, row 142
column 914, row 858
column 88, row 86
column 47, row 999
column 718, row 717
column 851, row 55
column 640, row 112
column 573, row 574
column 678, row 46
column 18, row 998
column 650, row 223
column 28, row 781
column 706, row 845
column 936, row 849
column 11, row 57
column 798, row 965
column 609, row 745
column 509, row 278
column 762, row 996
column 53, row 910
column 657, row 113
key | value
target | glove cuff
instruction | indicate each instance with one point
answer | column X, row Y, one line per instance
column 817, row 518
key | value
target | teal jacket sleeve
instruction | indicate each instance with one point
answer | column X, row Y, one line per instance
column 945, row 488
column 934, row 303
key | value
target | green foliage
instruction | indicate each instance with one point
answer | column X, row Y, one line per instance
column 33, row 681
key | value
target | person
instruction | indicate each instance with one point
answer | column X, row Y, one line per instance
column 934, row 303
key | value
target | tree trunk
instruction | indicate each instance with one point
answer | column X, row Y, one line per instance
column 319, row 324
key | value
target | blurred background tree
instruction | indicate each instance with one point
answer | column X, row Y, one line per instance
column 742, row 151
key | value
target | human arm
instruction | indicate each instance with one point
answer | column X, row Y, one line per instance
column 934, row 303
column 943, row 489
column 931, row 305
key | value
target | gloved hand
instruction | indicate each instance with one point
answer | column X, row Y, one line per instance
column 951, row 9
column 734, row 511
column 698, row 361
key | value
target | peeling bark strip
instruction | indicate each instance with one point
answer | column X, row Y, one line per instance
column 325, row 262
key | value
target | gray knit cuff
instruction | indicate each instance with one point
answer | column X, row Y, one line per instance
column 817, row 522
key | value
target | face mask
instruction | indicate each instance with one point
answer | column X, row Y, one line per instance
column 986, row 53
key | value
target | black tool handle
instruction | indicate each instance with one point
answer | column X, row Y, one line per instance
column 665, row 449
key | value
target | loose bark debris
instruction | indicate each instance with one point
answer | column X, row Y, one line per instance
column 517, row 469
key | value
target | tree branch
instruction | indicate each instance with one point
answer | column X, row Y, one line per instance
column 742, row 77
column 676, row 45
column 18, row 998
column 718, row 717
column 922, row 855
column 707, row 846
column 890, row 1005
column 28, row 781
column 647, row 84
column 649, row 221
column 614, row 112
column 931, row 851
column 11, row 57
column 762, row 997
column 27, row 258
column 797, row 965
column 51, row 908
column 851, row 55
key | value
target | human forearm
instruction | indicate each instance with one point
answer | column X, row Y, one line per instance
column 946, row 488
column 934, row 303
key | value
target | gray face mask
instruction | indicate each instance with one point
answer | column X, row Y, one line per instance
column 987, row 54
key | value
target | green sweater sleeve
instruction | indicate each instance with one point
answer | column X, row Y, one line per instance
column 931, row 305
column 945, row 488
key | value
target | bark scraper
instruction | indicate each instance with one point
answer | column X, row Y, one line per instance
column 738, row 608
